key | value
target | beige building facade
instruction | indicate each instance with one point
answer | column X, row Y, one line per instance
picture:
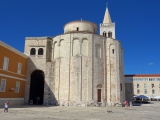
column 77, row 68
column 142, row 84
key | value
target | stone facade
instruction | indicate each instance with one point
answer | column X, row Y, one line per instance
column 81, row 68
column 142, row 84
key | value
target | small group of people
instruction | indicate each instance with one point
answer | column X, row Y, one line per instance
column 128, row 104
column 6, row 106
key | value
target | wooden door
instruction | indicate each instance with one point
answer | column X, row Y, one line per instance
column 99, row 95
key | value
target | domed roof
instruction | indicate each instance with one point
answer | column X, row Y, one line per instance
column 80, row 26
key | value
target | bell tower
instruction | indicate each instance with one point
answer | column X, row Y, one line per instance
column 107, row 28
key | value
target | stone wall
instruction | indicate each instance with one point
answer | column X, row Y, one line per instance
column 75, row 80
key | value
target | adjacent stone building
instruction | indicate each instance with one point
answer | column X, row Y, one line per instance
column 142, row 84
column 77, row 68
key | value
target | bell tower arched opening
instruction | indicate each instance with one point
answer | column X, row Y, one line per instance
column 36, row 87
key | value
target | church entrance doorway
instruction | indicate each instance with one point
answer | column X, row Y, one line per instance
column 36, row 88
column 99, row 92
column 99, row 95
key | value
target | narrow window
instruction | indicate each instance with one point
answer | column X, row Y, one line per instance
column 3, row 85
column 110, row 34
column 5, row 63
column 153, row 92
column 19, row 68
column 77, row 28
column 113, row 51
column 104, row 34
column 137, row 85
column 40, row 51
column 145, row 85
column 33, row 51
column 17, row 87
column 121, row 86
column 145, row 91
column 159, row 85
column 152, row 85
column 138, row 91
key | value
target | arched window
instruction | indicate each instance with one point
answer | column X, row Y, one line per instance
column 110, row 34
column 33, row 51
column 104, row 34
column 40, row 51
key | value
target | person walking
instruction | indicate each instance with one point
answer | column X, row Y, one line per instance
column 126, row 105
column 130, row 104
column 6, row 106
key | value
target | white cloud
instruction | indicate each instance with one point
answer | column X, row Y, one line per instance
column 150, row 63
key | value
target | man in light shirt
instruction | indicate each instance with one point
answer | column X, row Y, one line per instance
column 6, row 106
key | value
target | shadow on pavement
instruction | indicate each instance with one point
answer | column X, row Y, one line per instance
column 141, row 103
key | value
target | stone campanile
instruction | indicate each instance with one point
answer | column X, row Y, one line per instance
column 107, row 28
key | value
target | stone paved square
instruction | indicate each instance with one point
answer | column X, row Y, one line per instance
column 28, row 112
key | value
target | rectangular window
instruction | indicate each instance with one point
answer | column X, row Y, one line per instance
column 17, row 87
column 138, row 91
column 145, row 85
column 131, row 79
column 113, row 51
column 159, row 85
column 145, row 91
column 77, row 28
column 137, row 85
column 19, row 68
column 152, row 85
column 3, row 85
column 153, row 92
column 5, row 63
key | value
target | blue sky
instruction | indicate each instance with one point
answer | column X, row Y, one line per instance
column 137, row 25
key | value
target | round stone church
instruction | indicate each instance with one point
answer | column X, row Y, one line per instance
column 76, row 68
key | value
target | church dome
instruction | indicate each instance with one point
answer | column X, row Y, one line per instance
column 80, row 26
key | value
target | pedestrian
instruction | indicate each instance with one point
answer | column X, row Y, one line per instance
column 126, row 105
column 6, row 106
column 130, row 104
